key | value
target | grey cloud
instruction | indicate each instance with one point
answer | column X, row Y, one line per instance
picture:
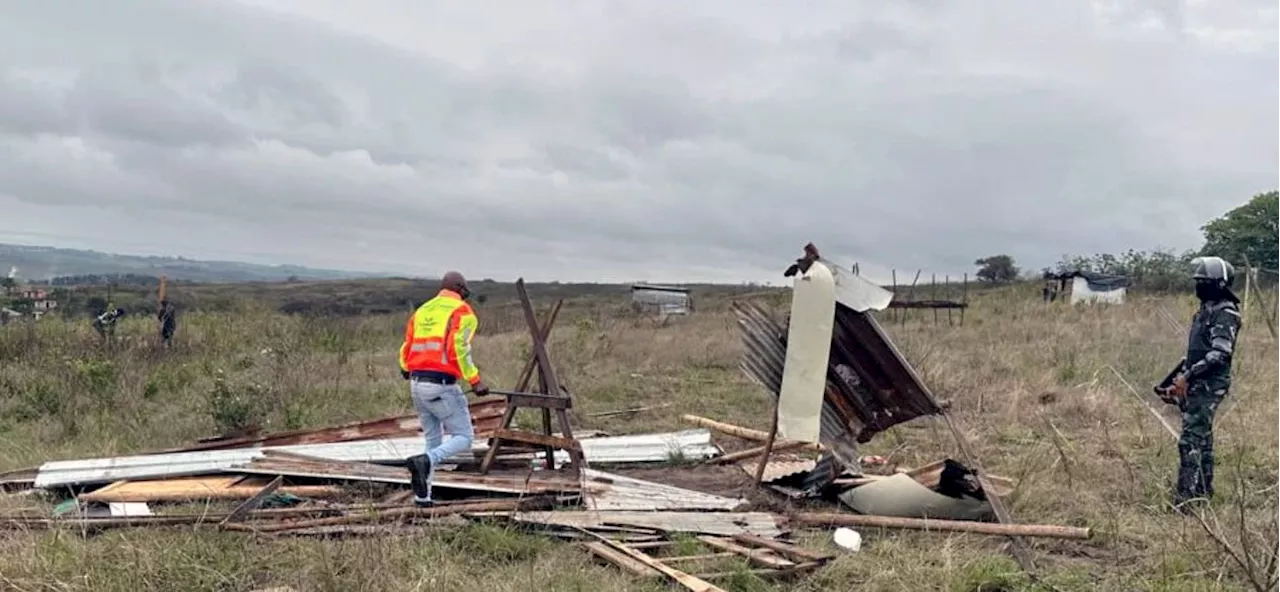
column 133, row 102
column 888, row 132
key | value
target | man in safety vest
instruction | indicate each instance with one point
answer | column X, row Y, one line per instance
column 436, row 354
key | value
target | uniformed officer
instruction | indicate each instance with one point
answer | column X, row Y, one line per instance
column 1206, row 375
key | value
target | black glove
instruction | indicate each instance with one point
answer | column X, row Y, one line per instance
column 404, row 374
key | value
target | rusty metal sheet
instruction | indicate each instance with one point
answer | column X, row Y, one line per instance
column 779, row 467
column 764, row 341
column 486, row 415
column 870, row 386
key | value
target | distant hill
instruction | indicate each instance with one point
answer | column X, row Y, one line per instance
column 38, row 263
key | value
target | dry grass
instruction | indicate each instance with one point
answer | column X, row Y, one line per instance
column 1019, row 373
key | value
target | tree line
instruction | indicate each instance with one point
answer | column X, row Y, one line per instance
column 1248, row 235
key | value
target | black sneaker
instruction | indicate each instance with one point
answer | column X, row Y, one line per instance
column 419, row 477
column 422, row 503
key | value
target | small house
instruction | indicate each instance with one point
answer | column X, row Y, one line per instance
column 1088, row 286
column 661, row 300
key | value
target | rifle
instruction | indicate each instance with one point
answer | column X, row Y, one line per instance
column 1162, row 389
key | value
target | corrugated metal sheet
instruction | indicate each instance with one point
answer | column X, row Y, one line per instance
column 661, row 296
column 764, row 341
column 606, row 491
column 486, row 415
column 859, row 294
column 687, row 444
column 518, row 484
column 870, row 386
column 692, row 444
column 779, row 468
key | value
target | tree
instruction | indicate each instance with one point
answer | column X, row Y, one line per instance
column 1250, row 231
column 996, row 269
column 1158, row 270
column 9, row 284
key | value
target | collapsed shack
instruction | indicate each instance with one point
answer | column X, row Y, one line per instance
column 870, row 387
column 1085, row 286
column 350, row 480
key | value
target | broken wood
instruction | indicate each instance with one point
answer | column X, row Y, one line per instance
column 403, row 514
column 754, row 452
column 748, row 433
column 1034, row 530
column 622, row 560
column 781, row 547
column 626, row 411
column 763, row 557
column 251, row 504
column 689, row 581
column 768, row 444
column 219, row 487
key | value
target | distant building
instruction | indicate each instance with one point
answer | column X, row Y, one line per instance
column 1091, row 287
column 662, row 301
column 41, row 302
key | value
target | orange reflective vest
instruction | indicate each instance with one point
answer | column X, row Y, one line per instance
column 437, row 338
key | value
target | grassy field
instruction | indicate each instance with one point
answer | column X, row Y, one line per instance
column 1032, row 385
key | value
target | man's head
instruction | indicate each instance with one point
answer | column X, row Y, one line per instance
column 1213, row 276
column 454, row 281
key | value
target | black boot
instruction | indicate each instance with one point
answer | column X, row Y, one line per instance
column 419, row 479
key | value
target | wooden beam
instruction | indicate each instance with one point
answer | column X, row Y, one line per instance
column 1011, row 530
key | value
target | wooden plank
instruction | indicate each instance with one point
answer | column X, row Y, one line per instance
column 748, row 433
column 749, row 453
column 1003, row 529
column 693, row 558
column 241, row 511
column 621, row 560
column 781, row 547
column 764, row 557
column 538, row 439
column 528, row 400
column 196, row 489
column 690, row 582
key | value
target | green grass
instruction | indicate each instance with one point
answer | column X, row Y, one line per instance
column 63, row 395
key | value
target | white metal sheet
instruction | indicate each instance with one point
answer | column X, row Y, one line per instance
column 691, row 444
column 607, row 491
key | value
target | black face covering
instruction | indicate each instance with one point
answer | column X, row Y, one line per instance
column 1207, row 291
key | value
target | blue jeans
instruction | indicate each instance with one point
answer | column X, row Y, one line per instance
column 443, row 407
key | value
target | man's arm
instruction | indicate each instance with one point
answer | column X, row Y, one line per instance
column 467, row 325
column 408, row 341
column 1222, row 340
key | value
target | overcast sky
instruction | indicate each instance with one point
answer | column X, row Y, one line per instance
column 620, row 140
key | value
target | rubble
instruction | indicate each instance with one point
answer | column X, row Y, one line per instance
column 349, row 480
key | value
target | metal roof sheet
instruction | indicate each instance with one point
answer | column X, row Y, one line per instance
column 691, row 444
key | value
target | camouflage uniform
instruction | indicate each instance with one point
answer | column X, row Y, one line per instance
column 1210, row 345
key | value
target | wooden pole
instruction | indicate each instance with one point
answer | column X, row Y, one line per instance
column 964, row 298
column 748, row 433
column 850, row 519
column 911, row 297
column 947, row 281
column 892, row 311
column 768, row 443
column 753, row 452
column 1266, row 314
column 933, row 293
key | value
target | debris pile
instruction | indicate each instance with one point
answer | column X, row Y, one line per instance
column 350, row 480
